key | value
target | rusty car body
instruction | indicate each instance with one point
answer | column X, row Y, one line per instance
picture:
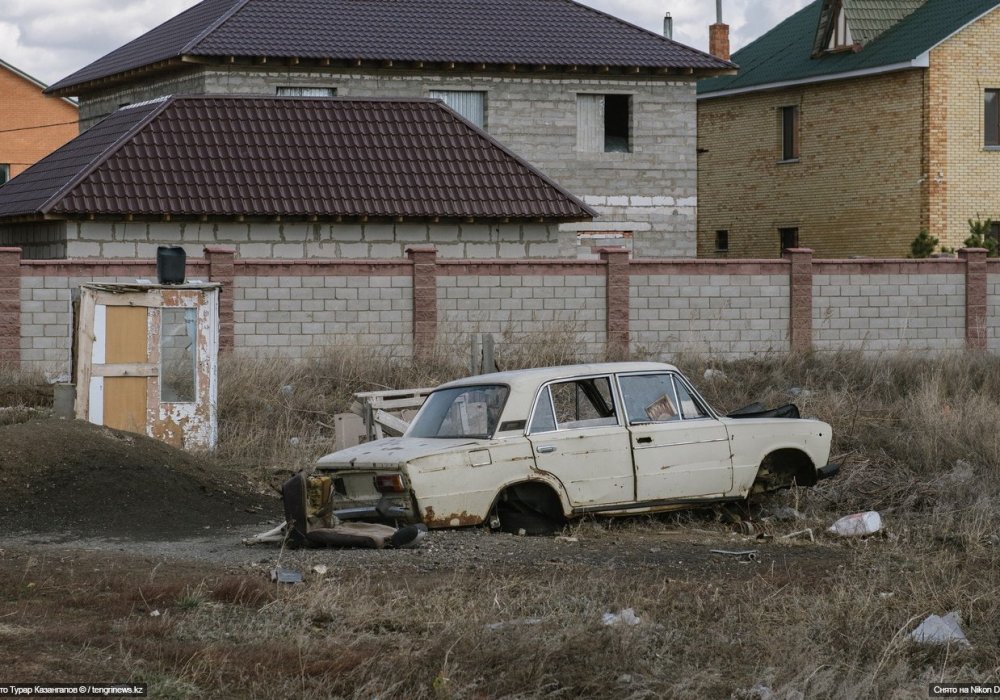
column 525, row 450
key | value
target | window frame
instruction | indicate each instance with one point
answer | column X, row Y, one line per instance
column 789, row 128
column 278, row 90
column 4, row 173
column 991, row 132
column 545, row 389
column 600, row 122
column 484, row 103
column 791, row 230
column 722, row 235
column 676, row 380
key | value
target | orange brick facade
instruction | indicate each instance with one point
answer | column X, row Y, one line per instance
column 881, row 158
column 25, row 118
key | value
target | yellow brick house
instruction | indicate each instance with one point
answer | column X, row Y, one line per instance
column 850, row 127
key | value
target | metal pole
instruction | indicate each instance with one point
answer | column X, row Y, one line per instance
column 718, row 11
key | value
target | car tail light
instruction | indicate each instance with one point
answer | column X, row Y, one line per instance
column 389, row 483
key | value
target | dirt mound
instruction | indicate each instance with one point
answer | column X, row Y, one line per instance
column 74, row 477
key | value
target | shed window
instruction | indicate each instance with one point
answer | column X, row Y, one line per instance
column 789, row 121
column 991, row 114
column 290, row 91
column 840, row 33
column 4, row 173
column 469, row 104
column 604, row 123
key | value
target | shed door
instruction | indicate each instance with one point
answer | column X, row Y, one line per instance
column 125, row 369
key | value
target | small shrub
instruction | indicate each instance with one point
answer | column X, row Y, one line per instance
column 923, row 245
column 979, row 237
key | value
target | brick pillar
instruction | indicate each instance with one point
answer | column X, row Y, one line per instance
column 975, row 297
column 800, row 322
column 718, row 40
column 222, row 269
column 425, row 314
column 10, row 306
column 617, row 286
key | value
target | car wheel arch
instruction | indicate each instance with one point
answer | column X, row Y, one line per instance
column 540, row 495
column 781, row 467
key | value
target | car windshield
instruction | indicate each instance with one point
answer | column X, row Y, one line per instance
column 462, row 412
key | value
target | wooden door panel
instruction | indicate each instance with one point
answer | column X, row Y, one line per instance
column 125, row 402
column 127, row 335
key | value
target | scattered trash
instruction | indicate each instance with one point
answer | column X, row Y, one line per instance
column 857, row 525
column 800, row 534
column 287, row 390
column 782, row 513
column 745, row 555
column 886, row 594
column 760, row 530
column 800, row 393
column 940, row 630
column 320, row 569
column 564, row 538
column 521, row 532
column 155, row 613
column 493, row 627
column 713, row 374
column 626, row 617
column 285, row 576
column 293, row 441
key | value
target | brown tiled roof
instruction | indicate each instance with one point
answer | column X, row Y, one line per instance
column 294, row 157
column 498, row 32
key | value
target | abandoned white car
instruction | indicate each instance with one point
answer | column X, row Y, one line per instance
column 525, row 450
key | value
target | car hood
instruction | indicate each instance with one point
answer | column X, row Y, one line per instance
column 393, row 451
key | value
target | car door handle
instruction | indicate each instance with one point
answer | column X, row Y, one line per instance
column 546, row 449
column 644, row 440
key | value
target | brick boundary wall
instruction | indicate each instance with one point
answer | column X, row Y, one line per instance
column 423, row 268
column 10, row 305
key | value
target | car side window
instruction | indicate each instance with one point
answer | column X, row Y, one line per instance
column 544, row 420
column 650, row 398
column 581, row 403
column 689, row 407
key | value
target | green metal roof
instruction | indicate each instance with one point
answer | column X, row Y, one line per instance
column 784, row 54
column 870, row 19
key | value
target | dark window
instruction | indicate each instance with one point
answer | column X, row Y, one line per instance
column 722, row 240
column 617, row 123
column 991, row 118
column 4, row 173
column 789, row 238
column 789, row 133
column 994, row 233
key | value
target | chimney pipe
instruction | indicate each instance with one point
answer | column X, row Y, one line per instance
column 668, row 26
column 718, row 35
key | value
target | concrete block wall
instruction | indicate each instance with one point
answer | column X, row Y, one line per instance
column 612, row 307
column 650, row 192
column 295, row 315
column 729, row 310
column 297, row 240
column 515, row 302
column 881, row 306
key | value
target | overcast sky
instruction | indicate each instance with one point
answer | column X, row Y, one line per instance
column 49, row 39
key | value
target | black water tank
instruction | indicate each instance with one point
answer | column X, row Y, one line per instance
column 170, row 263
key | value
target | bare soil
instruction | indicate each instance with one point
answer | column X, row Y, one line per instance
column 78, row 479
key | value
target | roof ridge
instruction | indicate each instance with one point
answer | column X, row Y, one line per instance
column 222, row 19
column 104, row 155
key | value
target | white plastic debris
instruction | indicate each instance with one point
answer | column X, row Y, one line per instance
column 154, row 613
column 625, row 617
column 799, row 392
column 941, row 630
column 857, row 525
column 712, row 374
column 320, row 569
column 287, row 390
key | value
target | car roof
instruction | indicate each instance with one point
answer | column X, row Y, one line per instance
column 523, row 378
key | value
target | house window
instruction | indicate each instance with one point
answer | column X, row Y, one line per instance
column 4, row 173
column 789, row 238
column 994, row 234
column 306, row 91
column 604, row 123
column 722, row 241
column 468, row 103
column 991, row 118
column 789, row 123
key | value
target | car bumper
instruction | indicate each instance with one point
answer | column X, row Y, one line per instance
column 830, row 470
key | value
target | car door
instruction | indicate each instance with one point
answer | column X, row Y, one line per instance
column 680, row 449
column 576, row 435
